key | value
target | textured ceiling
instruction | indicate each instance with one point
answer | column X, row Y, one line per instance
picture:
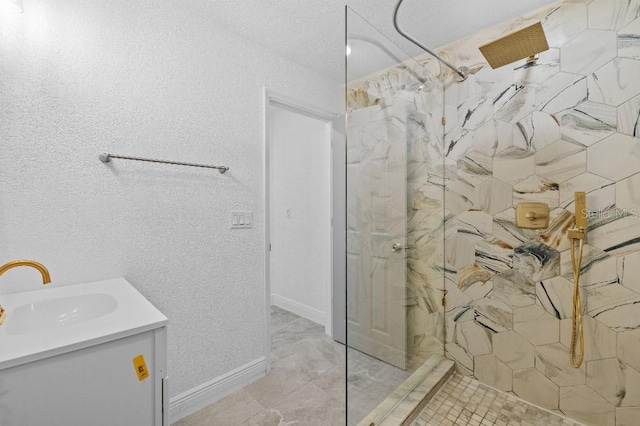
column 311, row 32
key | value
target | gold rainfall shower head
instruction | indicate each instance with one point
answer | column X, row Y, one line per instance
column 524, row 43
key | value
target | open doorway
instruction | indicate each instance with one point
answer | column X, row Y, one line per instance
column 298, row 224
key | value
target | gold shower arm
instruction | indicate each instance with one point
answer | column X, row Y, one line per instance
column 463, row 72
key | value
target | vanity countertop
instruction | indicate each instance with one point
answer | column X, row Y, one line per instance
column 56, row 320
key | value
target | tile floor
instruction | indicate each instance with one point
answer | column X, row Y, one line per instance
column 307, row 383
column 467, row 402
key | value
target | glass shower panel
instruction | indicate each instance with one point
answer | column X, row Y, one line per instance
column 395, row 220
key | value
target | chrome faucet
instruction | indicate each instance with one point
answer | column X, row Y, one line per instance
column 46, row 278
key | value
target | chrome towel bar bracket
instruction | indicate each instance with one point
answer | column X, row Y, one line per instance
column 105, row 157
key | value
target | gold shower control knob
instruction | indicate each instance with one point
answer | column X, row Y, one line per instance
column 531, row 215
column 534, row 215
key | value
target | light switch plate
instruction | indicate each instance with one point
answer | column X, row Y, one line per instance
column 241, row 220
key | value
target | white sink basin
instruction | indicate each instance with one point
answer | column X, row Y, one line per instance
column 60, row 312
column 59, row 319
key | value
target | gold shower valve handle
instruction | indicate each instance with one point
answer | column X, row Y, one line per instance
column 534, row 215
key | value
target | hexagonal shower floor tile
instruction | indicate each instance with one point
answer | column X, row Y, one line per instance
column 466, row 402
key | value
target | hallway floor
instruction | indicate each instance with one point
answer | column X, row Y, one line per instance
column 306, row 385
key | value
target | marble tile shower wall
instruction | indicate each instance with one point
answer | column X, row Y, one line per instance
column 569, row 122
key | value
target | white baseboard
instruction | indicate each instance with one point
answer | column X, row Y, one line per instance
column 299, row 309
column 199, row 397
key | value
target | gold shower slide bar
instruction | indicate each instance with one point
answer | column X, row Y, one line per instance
column 106, row 157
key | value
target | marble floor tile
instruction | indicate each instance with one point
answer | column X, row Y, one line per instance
column 279, row 317
column 307, row 384
column 314, row 358
column 284, row 338
column 311, row 405
column 332, row 382
column 463, row 401
column 229, row 411
column 279, row 383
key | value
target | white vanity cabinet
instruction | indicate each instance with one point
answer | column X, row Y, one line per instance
column 95, row 381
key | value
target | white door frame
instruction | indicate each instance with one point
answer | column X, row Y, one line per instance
column 273, row 98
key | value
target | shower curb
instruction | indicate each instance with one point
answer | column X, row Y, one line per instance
column 409, row 399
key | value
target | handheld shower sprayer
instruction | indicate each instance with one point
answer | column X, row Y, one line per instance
column 578, row 233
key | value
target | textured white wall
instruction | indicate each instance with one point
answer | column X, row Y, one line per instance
column 155, row 79
column 300, row 210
